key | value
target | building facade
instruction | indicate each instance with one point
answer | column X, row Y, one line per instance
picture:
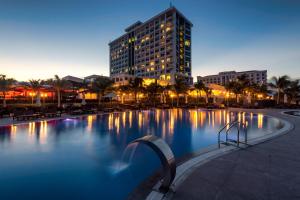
column 255, row 76
column 159, row 48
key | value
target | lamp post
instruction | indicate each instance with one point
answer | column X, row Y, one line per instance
column 32, row 95
column 172, row 96
column 44, row 95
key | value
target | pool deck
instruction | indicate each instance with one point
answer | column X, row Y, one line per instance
column 270, row 170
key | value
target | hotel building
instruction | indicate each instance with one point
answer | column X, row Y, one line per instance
column 159, row 48
column 255, row 76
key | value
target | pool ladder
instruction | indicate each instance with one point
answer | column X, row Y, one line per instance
column 235, row 124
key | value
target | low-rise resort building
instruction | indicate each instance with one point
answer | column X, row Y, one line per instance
column 222, row 78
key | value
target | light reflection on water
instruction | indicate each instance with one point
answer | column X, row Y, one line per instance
column 75, row 157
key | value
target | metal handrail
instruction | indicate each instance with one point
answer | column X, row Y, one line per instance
column 220, row 131
column 236, row 124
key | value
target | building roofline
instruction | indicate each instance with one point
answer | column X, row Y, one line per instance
column 142, row 23
column 221, row 73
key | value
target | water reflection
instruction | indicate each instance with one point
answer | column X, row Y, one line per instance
column 43, row 132
column 70, row 144
column 260, row 120
column 90, row 121
column 13, row 131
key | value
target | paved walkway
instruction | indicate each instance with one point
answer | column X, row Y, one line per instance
column 270, row 170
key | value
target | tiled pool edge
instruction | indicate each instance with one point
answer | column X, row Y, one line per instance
column 186, row 168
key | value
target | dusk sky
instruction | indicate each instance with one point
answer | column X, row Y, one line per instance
column 41, row 38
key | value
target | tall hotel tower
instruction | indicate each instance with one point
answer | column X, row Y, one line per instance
column 159, row 48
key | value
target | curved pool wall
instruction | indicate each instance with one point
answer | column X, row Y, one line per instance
column 82, row 158
column 295, row 113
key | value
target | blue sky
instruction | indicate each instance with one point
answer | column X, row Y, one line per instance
column 70, row 37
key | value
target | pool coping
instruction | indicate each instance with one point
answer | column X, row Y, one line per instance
column 286, row 114
column 185, row 169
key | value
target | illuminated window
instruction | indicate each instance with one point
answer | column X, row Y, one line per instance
column 168, row 77
column 163, row 66
column 151, row 63
column 168, row 29
column 162, row 25
column 187, row 43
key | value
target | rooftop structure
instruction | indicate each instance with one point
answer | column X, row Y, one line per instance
column 73, row 79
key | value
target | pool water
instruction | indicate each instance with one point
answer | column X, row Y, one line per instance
column 82, row 158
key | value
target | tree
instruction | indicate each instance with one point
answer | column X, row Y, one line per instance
column 136, row 85
column 5, row 86
column 243, row 85
column 180, row 87
column 280, row 83
column 208, row 92
column 256, row 89
column 100, row 85
column 293, row 91
column 58, row 84
column 199, row 86
column 153, row 89
column 234, row 87
column 36, row 85
column 124, row 89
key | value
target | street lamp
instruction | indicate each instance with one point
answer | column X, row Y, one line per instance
column 32, row 94
column 172, row 96
column 44, row 95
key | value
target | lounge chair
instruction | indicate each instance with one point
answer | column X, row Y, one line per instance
column 27, row 115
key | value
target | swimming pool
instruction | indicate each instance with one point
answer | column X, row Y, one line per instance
column 82, row 158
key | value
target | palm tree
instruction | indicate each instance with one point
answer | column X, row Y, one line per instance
column 199, row 86
column 58, row 84
column 100, row 85
column 280, row 83
column 208, row 92
column 136, row 86
column 124, row 89
column 236, row 88
column 36, row 85
column 5, row 86
column 243, row 85
column 293, row 91
column 180, row 87
column 255, row 89
column 153, row 89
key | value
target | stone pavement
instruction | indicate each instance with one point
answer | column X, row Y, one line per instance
column 270, row 170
